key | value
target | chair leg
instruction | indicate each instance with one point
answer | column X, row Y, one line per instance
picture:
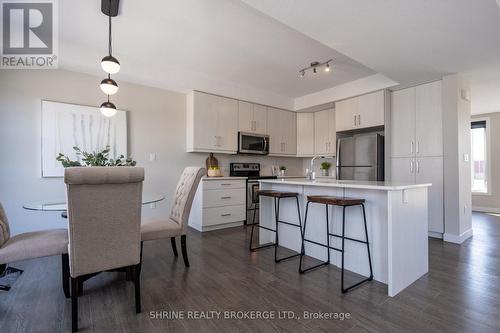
column 367, row 243
column 343, row 252
column 276, row 234
column 74, row 304
column 184, row 250
column 65, row 274
column 174, row 246
column 302, row 247
column 137, row 285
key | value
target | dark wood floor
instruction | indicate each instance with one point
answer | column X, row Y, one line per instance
column 461, row 293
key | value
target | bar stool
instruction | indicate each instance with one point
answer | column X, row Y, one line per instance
column 342, row 202
column 277, row 196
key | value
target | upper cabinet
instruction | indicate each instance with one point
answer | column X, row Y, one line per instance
column 212, row 123
column 417, row 121
column 282, row 130
column 360, row 112
column 305, row 134
column 252, row 118
column 324, row 132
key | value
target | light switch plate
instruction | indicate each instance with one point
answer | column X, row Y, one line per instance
column 152, row 205
column 466, row 157
column 152, row 157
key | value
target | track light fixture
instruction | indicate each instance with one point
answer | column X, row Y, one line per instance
column 314, row 67
column 109, row 64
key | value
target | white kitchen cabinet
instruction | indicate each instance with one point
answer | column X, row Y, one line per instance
column 212, row 123
column 325, row 132
column 218, row 203
column 371, row 110
column 417, row 144
column 428, row 120
column 252, row 118
column 430, row 170
column 282, row 130
column 305, row 134
column 403, row 123
column 360, row 112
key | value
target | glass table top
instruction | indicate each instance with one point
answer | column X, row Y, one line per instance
column 62, row 206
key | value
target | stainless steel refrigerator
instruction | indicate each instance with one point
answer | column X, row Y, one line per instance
column 361, row 157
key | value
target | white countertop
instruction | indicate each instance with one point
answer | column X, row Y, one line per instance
column 327, row 182
column 223, row 178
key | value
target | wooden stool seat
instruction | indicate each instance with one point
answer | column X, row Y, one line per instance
column 335, row 201
column 276, row 194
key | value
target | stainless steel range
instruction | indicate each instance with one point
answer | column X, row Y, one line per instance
column 252, row 172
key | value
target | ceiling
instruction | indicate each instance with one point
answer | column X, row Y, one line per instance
column 410, row 41
column 198, row 44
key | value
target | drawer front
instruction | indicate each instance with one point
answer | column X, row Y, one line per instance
column 223, row 184
column 225, row 197
column 221, row 215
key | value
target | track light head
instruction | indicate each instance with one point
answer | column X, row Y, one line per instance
column 327, row 67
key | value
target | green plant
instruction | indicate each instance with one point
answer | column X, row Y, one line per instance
column 325, row 165
column 98, row 158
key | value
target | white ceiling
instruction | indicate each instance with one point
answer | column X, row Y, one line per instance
column 410, row 41
column 199, row 44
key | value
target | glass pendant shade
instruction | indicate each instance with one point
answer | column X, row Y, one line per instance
column 109, row 86
column 108, row 109
column 110, row 64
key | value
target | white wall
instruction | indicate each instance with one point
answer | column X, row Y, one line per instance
column 457, row 174
column 491, row 202
column 156, row 124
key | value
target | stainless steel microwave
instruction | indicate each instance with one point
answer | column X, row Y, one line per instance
column 251, row 143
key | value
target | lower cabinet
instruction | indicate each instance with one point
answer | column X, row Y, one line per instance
column 218, row 203
column 424, row 170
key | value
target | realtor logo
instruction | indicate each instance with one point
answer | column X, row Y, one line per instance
column 29, row 34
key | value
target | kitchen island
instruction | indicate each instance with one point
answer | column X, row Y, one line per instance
column 397, row 221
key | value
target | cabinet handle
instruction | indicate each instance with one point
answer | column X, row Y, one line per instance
column 224, row 184
column 411, row 147
column 359, row 120
column 326, row 146
column 418, row 147
column 411, row 167
column 225, row 214
column 224, row 198
column 354, row 120
column 418, row 167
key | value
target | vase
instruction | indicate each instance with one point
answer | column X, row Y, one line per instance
column 324, row 172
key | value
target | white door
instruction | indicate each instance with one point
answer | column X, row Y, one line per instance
column 245, row 117
column 371, row 110
column 260, row 118
column 403, row 123
column 430, row 170
column 321, row 131
column 227, row 123
column 346, row 114
column 205, row 122
column 429, row 120
column 305, row 134
column 274, row 131
column 403, row 170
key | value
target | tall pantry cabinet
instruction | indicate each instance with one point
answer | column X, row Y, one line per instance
column 417, row 144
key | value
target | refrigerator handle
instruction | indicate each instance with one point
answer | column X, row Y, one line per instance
column 411, row 166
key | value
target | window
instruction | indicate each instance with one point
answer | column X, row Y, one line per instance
column 480, row 156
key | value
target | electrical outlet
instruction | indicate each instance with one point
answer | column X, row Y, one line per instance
column 152, row 205
column 152, row 157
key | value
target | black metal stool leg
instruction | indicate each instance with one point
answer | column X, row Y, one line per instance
column 253, row 249
column 345, row 290
column 276, row 260
column 343, row 251
column 327, row 233
column 302, row 247
column 276, row 235
column 301, row 271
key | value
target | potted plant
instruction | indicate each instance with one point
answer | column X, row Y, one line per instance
column 282, row 170
column 97, row 158
column 325, row 167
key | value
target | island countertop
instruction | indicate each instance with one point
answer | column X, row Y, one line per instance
column 358, row 184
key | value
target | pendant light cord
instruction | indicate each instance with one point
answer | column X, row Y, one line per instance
column 109, row 37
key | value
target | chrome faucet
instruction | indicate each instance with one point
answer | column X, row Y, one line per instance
column 311, row 175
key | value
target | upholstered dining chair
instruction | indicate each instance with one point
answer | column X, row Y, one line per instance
column 176, row 224
column 31, row 245
column 104, row 214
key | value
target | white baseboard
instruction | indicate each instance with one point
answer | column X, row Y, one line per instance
column 485, row 209
column 457, row 239
column 435, row 234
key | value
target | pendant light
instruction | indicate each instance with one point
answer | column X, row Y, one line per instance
column 109, row 64
column 108, row 109
column 109, row 86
